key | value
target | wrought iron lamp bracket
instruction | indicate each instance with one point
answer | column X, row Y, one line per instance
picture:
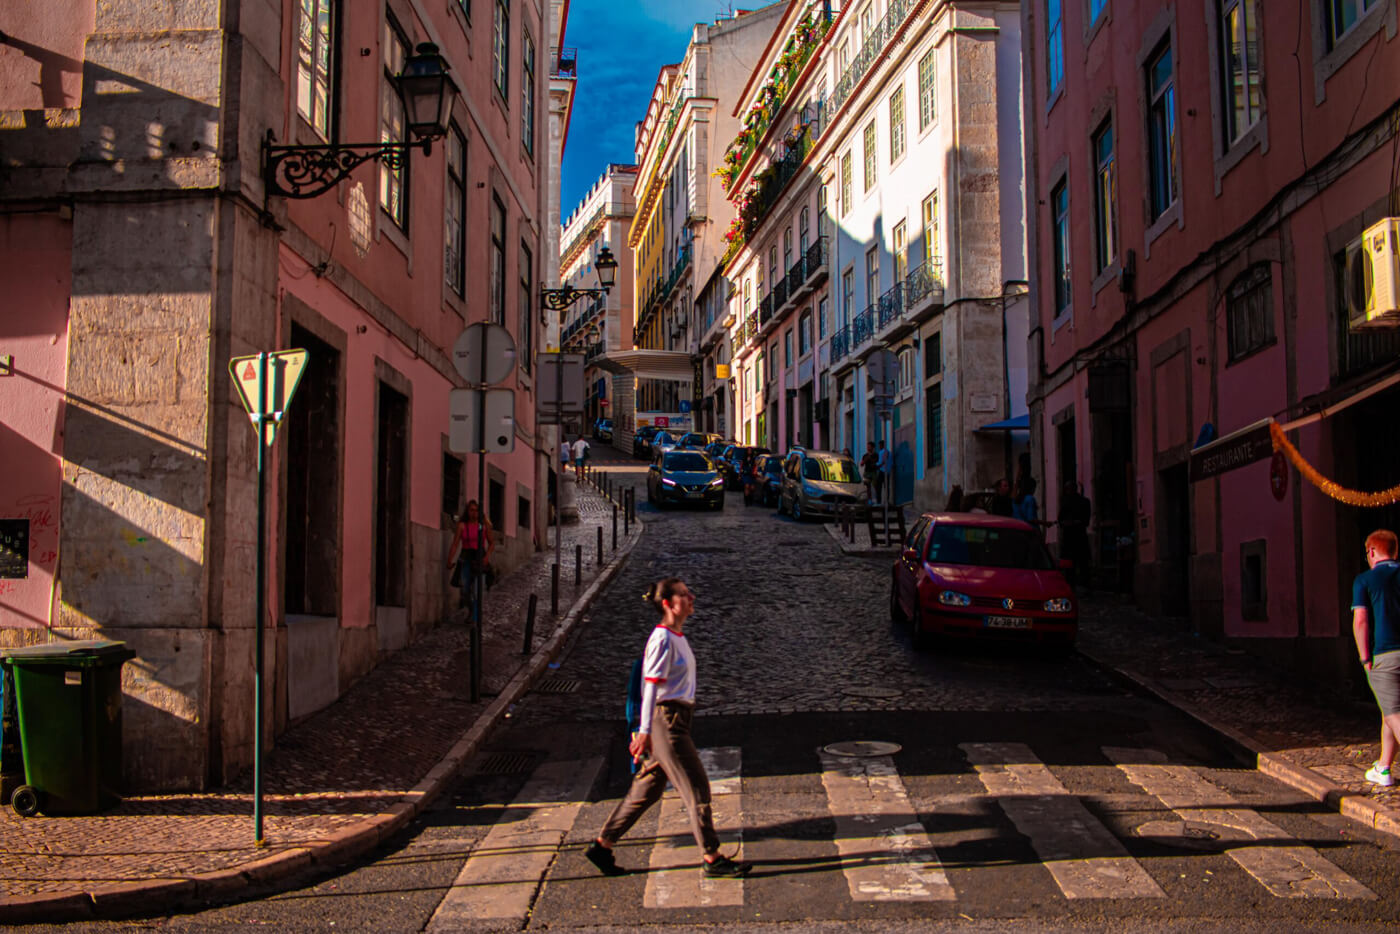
column 560, row 299
column 308, row 171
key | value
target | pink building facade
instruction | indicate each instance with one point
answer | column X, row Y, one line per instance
column 1193, row 195
column 143, row 253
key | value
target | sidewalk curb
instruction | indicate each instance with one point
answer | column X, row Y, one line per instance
column 282, row 871
column 1276, row 765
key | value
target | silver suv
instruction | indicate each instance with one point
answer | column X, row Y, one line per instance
column 817, row 483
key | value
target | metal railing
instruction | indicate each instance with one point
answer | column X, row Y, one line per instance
column 765, row 309
column 565, row 63
column 840, row 343
column 780, row 292
column 863, row 327
column 870, row 50
column 891, row 305
column 923, row 281
column 750, row 326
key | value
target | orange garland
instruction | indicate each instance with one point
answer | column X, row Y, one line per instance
column 1331, row 488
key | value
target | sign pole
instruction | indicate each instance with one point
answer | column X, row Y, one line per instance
column 479, row 584
column 564, row 469
column 259, row 602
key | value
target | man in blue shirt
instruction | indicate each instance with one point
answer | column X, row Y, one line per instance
column 1375, row 622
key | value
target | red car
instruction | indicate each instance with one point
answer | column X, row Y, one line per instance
column 973, row 574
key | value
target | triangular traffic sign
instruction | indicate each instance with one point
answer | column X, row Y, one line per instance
column 284, row 369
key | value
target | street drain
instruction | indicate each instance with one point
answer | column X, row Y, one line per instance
column 1187, row 834
column 874, row 693
column 557, row 685
column 506, row 763
column 862, row 749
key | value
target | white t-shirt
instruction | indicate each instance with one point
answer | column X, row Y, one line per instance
column 670, row 666
column 579, row 447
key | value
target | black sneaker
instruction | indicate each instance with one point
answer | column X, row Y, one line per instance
column 724, row 867
column 602, row 857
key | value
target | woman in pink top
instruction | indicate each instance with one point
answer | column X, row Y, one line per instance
column 476, row 555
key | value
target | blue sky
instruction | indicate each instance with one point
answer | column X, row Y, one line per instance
column 621, row 44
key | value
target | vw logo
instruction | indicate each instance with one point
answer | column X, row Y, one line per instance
column 1007, row 603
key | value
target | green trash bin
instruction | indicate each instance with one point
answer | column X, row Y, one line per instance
column 68, row 696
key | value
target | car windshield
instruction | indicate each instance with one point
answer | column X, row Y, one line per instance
column 662, row 438
column 987, row 547
column 692, row 461
column 830, row 469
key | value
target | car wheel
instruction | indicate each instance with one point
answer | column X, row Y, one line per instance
column 718, row 506
column 896, row 612
column 923, row 641
column 797, row 509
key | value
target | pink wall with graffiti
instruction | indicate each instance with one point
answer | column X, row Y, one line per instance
column 35, row 264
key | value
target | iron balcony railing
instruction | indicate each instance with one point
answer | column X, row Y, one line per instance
column 871, row 48
column 565, row 63
column 750, row 326
column 765, row 309
column 923, row 281
column 891, row 305
column 780, row 292
column 863, row 327
column 840, row 343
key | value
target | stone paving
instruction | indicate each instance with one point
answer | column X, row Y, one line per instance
column 354, row 760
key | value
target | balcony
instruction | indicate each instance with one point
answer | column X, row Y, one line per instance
column 750, row 327
column 923, row 291
column 872, row 48
column 863, row 328
column 840, row 345
column 765, row 310
column 890, row 322
column 565, row 63
column 807, row 273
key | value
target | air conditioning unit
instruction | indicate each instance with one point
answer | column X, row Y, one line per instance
column 1373, row 276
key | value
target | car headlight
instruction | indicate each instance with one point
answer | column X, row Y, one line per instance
column 717, row 481
column 1059, row 605
column 667, row 481
column 953, row 598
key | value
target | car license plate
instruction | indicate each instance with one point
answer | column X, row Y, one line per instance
column 694, row 495
column 1008, row 622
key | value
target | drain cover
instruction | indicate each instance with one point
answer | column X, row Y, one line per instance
column 873, row 692
column 506, row 763
column 862, row 749
column 557, row 685
column 1188, row 834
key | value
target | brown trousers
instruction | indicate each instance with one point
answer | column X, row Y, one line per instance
column 674, row 752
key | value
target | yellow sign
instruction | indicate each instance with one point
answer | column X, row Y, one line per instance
column 721, row 371
column 284, row 369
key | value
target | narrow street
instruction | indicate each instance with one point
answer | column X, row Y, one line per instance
column 1018, row 787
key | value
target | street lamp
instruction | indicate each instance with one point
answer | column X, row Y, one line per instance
column 307, row 171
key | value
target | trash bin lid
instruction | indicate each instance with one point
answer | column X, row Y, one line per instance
column 80, row 652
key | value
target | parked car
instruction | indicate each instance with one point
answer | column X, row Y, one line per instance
column 602, row 430
column 765, row 485
column 737, row 462
column 818, row 483
column 641, row 441
column 662, row 441
column 979, row 575
column 681, row 475
column 715, row 449
column 697, row 439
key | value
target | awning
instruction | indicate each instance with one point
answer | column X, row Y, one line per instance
column 649, row 364
column 1018, row 423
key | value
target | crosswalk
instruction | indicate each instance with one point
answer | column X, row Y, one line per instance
column 886, row 848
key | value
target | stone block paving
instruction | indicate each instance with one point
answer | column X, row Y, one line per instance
column 328, row 775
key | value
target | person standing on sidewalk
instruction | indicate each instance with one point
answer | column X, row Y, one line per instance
column 1375, row 622
column 884, row 463
column 474, row 553
column 668, row 708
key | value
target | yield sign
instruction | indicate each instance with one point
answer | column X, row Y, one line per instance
column 284, row 369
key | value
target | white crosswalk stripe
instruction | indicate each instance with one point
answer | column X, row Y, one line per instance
column 676, row 880
column 886, row 855
column 502, row 874
column 1280, row 864
column 1085, row 859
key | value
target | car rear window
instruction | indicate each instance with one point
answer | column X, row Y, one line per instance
column 991, row 548
column 687, row 460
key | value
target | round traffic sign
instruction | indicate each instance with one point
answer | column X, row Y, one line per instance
column 484, row 353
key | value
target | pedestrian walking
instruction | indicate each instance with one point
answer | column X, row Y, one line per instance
column 565, row 451
column 883, row 464
column 470, row 553
column 663, row 738
column 869, row 467
column 1375, row 623
column 1001, row 504
column 580, row 454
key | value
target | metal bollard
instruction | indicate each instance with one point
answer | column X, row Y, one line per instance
column 554, row 589
column 626, row 516
column 614, row 526
column 578, row 565
column 530, row 625
column 600, row 546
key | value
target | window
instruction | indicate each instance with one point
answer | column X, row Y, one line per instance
column 787, row 248
column 1239, row 53
column 524, row 338
column 901, row 256
column 771, row 366
column 848, row 294
column 500, row 49
column 393, row 189
column 1105, row 198
column 869, row 151
column 908, row 359
column 315, row 64
column 821, row 201
column 1161, row 132
column 1054, row 47
column 872, row 274
column 451, row 484
column 454, row 232
column 846, row 184
column 804, row 334
column 928, row 90
column 1249, row 311
column 527, row 94
column 496, row 504
column 823, row 317
column 843, row 55
column 773, row 267
column 1342, row 15
column 522, row 513
column 932, row 250
column 1254, row 580
column 466, row 6
column 1095, row 8
column 867, row 23
column 787, row 348
column 748, row 297
column 896, row 124
column 933, row 355
column 803, row 233
column 933, row 424
column 498, row 261
column 1059, row 208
